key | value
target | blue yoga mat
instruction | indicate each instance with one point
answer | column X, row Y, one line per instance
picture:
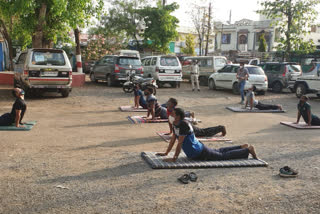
column 27, row 127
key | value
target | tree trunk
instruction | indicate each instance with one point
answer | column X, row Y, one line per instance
column 6, row 35
column 288, row 33
column 37, row 38
column 209, row 30
column 78, row 50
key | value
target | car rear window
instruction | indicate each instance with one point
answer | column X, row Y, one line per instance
column 129, row 61
column 294, row 68
column 255, row 70
column 169, row 61
column 48, row 58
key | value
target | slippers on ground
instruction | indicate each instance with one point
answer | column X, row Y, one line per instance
column 287, row 172
column 184, row 179
column 193, row 177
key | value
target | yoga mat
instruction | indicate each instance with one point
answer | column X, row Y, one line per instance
column 301, row 125
column 140, row 119
column 156, row 162
column 201, row 139
column 28, row 126
column 254, row 110
column 131, row 109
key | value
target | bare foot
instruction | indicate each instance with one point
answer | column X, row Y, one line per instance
column 243, row 146
column 252, row 152
column 280, row 107
column 224, row 131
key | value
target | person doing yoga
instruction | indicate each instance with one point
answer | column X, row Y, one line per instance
column 138, row 97
column 252, row 102
column 196, row 150
column 18, row 110
column 304, row 110
column 154, row 109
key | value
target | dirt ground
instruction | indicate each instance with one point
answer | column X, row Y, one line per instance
column 87, row 146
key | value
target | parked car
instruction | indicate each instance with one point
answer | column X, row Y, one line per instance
column 227, row 78
column 164, row 69
column 131, row 53
column 207, row 66
column 114, row 69
column 308, row 82
column 39, row 70
column 281, row 74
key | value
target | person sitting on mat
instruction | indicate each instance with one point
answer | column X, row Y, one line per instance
column 304, row 110
column 196, row 150
column 18, row 110
column 154, row 109
column 252, row 102
column 138, row 97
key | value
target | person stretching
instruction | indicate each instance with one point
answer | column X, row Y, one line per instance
column 18, row 110
column 252, row 102
column 138, row 97
column 154, row 109
column 304, row 110
column 196, row 150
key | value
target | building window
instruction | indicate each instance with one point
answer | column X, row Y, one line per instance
column 243, row 39
column 226, row 38
column 267, row 36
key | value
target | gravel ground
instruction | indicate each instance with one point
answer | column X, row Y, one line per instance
column 86, row 146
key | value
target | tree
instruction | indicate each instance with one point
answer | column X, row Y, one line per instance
column 208, row 26
column 199, row 17
column 189, row 49
column 292, row 18
column 262, row 43
column 160, row 25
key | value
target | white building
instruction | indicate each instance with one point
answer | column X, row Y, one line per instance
column 314, row 35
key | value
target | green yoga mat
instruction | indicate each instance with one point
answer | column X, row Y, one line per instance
column 28, row 126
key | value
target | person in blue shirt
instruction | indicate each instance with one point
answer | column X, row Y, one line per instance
column 138, row 97
column 194, row 149
column 304, row 110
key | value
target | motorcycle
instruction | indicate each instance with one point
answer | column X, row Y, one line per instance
column 133, row 80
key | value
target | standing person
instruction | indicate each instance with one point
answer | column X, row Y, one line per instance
column 304, row 110
column 154, row 109
column 195, row 149
column 252, row 102
column 195, row 75
column 138, row 97
column 242, row 76
column 18, row 110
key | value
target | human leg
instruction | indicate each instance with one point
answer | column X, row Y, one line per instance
column 6, row 120
column 192, row 81
column 241, row 87
column 211, row 131
column 315, row 121
column 262, row 106
column 197, row 82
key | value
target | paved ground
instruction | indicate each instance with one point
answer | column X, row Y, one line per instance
column 85, row 144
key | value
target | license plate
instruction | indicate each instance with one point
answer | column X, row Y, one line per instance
column 169, row 71
column 50, row 74
column 130, row 71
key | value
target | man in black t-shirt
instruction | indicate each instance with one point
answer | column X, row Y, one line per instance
column 18, row 110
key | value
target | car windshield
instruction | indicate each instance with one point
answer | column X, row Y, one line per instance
column 48, row 58
column 169, row 61
column 294, row 68
column 129, row 61
column 255, row 70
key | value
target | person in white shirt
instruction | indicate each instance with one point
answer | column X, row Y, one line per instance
column 252, row 102
column 195, row 75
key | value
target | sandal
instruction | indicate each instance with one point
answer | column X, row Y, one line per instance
column 193, row 177
column 184, row 179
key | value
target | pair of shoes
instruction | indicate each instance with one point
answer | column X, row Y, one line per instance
column 288, row 172
column 242, row 102
column 188, row 177
column 198, row 89
column 193, row 89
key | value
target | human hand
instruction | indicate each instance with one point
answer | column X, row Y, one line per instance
column 295, row 122
column 161, row 154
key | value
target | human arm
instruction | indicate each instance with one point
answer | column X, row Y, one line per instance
column 151, row 110
column 17, row 119
column 298, row 117
column 136, row 101
column 171, row 129
column 171, row 144
column 309, row 117
column 178, row 150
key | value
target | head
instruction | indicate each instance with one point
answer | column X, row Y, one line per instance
column 18, row 92
column 137, row 86
column 241, row 64
column 172, row 103
column 253, row 88
column 178, row 114
column 304, row 98
column 148, row 91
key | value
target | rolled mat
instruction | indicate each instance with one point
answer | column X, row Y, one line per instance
column 27, row 127
column 301, row 125
column 201, row 139
column 131, row 109
column 156, row 162
column 254, row 110
column 140, row 119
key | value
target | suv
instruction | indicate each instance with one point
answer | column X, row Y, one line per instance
column 207, row 66
column 164, row 69
column 114, row 69
column 38, row 70
column 281, row 74
column 227, row 78
column 308, row 82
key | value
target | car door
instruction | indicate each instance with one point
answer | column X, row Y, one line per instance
column 221, row 78
column 98, row 68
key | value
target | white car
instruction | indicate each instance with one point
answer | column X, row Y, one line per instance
column 308, row 83
column 226, row 78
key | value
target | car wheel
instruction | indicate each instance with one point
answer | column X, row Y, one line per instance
column 235, row 88
column 174, row 84
column 127, row 89
column 65, row 92
column 277, row 87
column 212, row 85
column 301, row 90
column 92, row 77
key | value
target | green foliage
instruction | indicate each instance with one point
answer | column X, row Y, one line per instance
column 190, row 43
column 160, row 25
column 262, row 43
column 292, row 18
